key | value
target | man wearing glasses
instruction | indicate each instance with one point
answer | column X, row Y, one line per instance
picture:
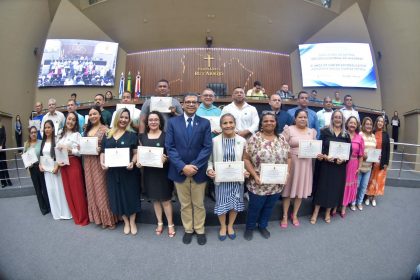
column 55, row 116
column 348, row 109
column 189, row 145
column 246, row 116
column 206, row 108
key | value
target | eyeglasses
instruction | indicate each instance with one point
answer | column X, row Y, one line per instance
column 190, row 102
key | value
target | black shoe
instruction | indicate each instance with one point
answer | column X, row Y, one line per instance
column 264, row 232
column 3, row 185
column 186, row 239
column 9, row 183
column 248, row 234
column 201, row 239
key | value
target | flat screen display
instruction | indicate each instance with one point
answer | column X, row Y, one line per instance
column 337, row 65
column 78, row 63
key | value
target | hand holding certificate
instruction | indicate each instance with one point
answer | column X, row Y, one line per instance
column 273, row 173
column 117, row 157
column 89, row 146
column 309, row 148
column 29, row 158
column 150, row 156
column 229, row 171
column 47, row 163
column 62, row 156
column 36, row 123
column 339, row 150
column 160, row 104
column 373, row 155
column 214, row 122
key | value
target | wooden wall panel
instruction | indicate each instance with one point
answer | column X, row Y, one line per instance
column 234, row 67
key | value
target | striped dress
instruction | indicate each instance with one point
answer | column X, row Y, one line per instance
column 229, row 195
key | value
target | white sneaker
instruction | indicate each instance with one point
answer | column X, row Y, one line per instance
column 374, row 203
column 367, row 202
column 360, row 207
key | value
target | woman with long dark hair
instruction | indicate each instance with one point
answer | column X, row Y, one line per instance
column 72, row 174
column 95, row 177
column 54, row 183
column 37, row 177
column 395, row 123
column 18, row 131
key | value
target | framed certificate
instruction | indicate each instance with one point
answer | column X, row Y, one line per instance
column 150, row 156
column 273, row 173
column 36, row 123
column 339, row 150
column 29, row 158
column 62, row 155
column 47, row 163
column 214, row 122
column 161, row 104
column 130, row 107
column 229, row 171
column 117, row 157
column 309, row 148
column 373, row 155
column 89, row 145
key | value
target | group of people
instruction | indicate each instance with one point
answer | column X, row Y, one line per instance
column 88, row 190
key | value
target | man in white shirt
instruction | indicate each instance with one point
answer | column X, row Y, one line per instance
column 324, row 115
column 246, row 116
column 127, row 98
column 55, row 116
column 348, row 109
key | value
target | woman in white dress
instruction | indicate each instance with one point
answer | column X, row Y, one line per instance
column 53, row 181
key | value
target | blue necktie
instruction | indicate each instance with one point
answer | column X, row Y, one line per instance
column 189, row 128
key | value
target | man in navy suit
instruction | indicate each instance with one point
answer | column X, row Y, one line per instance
column 189, row 145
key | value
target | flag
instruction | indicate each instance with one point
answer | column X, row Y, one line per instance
column 121, row 88
column 137, row 88
column 129, row 82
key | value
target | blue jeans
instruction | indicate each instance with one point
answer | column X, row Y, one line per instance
column 259, row 209
column 363, row 182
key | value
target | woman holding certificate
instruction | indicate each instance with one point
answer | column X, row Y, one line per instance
column 99, row 209
column 299, row 184
column 264, row 147
column 227, row 147
column 354, row 164
column 36, row 175
column 366, row 168
column 118, row 157
column 52, row 174
column 376, row 185
column 157, row 186
column 73, row 181
column 331, row 177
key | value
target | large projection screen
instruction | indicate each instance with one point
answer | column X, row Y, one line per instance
column 337, row 65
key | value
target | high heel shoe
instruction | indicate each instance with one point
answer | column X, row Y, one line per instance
column 343, row 215
column 313, row 220
column 133, row 229
column 171, row 234
column 282, row 225
column 159, row 231
column 126, row 228
column 327, row 219
column 296, row 224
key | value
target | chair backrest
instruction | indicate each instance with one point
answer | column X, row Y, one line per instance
column 219, row 89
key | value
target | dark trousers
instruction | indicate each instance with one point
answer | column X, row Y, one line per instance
column 4, row 173
column 38, row 180
column 260, row 208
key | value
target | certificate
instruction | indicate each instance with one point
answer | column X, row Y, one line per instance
column 214, row 122
column 47, row 163
column 309, row 148
column 29, row 158
column 229, row 171
column 86, row 119
column 117, row 157
column 394, row 122
column 373, row 155
column 160, row 104
column 150, row 156
column 273, row 173
column 89, row 145
column 339, row 150
column 62, row 155
column 130, row 107
column 36, row 123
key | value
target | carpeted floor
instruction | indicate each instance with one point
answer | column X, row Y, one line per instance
column 378, row 243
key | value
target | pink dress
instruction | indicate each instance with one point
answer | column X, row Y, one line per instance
column 299, row 183
column 350, row 189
